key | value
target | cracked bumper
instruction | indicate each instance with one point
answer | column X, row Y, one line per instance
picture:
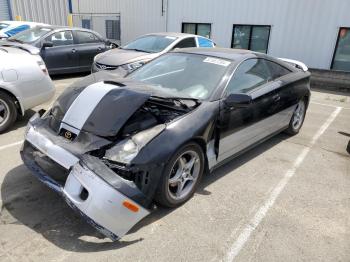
column 101, row 204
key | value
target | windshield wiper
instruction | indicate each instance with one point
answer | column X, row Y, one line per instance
column 138, row 50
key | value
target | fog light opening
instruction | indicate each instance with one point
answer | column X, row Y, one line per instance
column 84, row 194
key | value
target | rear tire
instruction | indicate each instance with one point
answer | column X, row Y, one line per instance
column 8, row 111
column 297, row 120
column 181, row 177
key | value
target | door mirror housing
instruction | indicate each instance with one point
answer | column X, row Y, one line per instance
column 47, row 44
column 238, row 100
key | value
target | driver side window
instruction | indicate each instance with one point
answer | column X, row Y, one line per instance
column 61, row 38
column 249, row 75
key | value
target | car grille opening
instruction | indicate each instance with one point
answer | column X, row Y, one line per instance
column 47, row 165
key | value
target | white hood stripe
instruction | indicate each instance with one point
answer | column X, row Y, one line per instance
column 84, row 105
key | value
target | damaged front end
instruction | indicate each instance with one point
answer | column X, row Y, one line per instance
column 83, row 148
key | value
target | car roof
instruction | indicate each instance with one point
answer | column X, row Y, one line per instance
column 59, row 27
column 173, row 34
column 235, row 55
column 226, row 53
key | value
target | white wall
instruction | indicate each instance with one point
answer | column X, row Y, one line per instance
column 4, row 10
column 300, row 29
column 137, row 17
column 45, row 11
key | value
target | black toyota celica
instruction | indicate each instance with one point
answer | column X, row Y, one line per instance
column 112, row 147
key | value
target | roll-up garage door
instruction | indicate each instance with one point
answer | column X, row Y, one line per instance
column 4, row 10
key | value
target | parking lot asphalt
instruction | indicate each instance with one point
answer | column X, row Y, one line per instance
column 286, row 200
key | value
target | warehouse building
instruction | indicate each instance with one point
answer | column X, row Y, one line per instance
column 44, row 11
column 5, row 11
column 316, row 32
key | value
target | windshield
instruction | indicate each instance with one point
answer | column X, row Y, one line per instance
column 30, row 35
column 150, row 43
column 3, row 25
column 183, row 75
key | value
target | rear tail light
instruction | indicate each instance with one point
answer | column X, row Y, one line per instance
column 42, row 66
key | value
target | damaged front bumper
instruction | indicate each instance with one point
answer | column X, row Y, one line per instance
column 107, row 203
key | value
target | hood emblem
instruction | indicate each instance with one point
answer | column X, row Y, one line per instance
column 68, row 135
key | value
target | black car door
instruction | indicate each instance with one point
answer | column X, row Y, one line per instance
column 61, row 57
column 88, row 46
column 289, row 91
column 241, row 127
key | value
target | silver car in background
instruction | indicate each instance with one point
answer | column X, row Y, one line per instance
column 144, row 49
column 24, row 82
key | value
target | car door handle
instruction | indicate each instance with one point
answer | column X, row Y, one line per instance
column 74, row 50
column 276, row 98
column 99, row 48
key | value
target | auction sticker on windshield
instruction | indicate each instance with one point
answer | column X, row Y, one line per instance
column 217, row 61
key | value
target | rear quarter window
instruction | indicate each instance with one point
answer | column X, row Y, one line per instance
column 276, row 70
column 86, row 37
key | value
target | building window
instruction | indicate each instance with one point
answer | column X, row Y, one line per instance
column 251, row 37
column 197, row 29
column 86, row 23
column 341, row 57
column 113, row 29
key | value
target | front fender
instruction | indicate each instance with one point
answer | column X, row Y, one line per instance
column 197, row 124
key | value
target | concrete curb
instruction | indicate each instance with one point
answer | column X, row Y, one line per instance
column 330, row 80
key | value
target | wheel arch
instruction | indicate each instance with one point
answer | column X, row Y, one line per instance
column 307, row 99
column 203, row 145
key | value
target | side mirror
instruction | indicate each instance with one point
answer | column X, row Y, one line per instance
column 111, row 44
column 238, row 100
column 47, row 44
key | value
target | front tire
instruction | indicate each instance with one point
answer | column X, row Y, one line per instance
column 8, row 111
column 297, row 119
column 181, row 177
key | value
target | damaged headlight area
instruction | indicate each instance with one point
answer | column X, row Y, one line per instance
column 126, row 150
column 133, row 66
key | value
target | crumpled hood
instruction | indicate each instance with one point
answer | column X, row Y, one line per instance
column 116, row 57
column 100, row 108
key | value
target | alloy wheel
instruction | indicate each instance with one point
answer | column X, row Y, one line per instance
column 184, row 175
column 4, row 112
column 298, row 116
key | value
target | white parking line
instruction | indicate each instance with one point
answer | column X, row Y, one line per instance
column 254, row 222
column 322, row 104
column 11, row 145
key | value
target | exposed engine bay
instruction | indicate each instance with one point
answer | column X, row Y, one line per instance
column 154, row 112
column 150, row 114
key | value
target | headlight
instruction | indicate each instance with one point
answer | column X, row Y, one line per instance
column 96, row 57
column 133, row 66
column 127, row 150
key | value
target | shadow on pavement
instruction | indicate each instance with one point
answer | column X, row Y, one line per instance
column 27, row 201
column 71, row 75
column 348, row 135
column 21, row 121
